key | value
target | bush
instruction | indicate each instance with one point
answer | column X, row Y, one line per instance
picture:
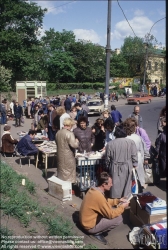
column 64, row 86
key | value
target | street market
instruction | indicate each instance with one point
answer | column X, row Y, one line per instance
column 89, row 165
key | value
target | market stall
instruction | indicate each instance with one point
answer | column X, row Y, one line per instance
column 88, row 167
column 148, row 214
column 48, row 149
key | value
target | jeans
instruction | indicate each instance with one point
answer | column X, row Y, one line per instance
column 51, row 134
column 3, row 118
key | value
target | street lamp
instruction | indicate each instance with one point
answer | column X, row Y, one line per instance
column 146, row 56
column 108, row 54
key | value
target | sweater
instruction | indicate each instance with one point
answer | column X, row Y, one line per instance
column 95, row 204
column 141, row 132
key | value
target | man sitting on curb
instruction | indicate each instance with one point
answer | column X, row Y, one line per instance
column 97, row 214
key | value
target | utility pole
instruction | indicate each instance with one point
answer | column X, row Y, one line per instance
column 108, row 54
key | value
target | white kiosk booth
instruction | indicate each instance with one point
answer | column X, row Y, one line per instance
column 30, row 89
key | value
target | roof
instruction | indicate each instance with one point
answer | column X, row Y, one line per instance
column 159, row 52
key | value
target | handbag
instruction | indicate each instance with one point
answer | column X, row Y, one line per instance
column 134, row 186
column 148, row 174
column 22, row 119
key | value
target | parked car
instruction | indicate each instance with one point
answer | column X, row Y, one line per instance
column 96, row 106
column 139, row 98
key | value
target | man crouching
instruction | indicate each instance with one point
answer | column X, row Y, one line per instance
column 98, row 214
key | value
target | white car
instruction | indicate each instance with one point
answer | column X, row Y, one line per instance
column 96, row 106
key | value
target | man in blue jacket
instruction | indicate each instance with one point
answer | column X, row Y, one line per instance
column 25, row 146
column 18, row 112
column 67, row 104
column 116, row 115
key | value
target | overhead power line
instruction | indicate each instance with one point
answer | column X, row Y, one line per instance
column 58, row 5
column 125, row 17
column 63, row 4
column 155, row 23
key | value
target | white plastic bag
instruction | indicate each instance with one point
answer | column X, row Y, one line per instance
column 134, row 235
column 134, row 186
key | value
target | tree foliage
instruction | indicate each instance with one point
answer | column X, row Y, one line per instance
column 119, row 66
column 19, row 26
column 5, row 77
column 57, row 56
column 134, row 52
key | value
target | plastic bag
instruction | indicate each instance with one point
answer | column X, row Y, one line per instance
column 134, row 235
column 134, row 186
column 148, row 174
column 22, row 119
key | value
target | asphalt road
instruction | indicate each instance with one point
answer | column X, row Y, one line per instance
column 149, row 112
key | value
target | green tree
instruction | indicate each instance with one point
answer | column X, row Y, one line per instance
column 134, row 52
column 58, row 58
column 5, row 77
column 119, row 66
column 19, row 27
column 89, row 61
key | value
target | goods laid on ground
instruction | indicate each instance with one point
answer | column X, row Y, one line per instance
column 149, row 214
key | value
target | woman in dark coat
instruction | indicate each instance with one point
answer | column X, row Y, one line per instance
column 84, row 135
column 161, row 150
column 100, row 135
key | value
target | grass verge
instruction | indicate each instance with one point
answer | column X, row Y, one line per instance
column 21, row 203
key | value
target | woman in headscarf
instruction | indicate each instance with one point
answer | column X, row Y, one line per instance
column 121, row 157
column 143, row 153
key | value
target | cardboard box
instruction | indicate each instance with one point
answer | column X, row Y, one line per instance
column 61, row 190
column 133, row 204
column 143, row 214
column 135, row 220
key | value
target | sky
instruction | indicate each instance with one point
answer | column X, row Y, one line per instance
column 88, row 19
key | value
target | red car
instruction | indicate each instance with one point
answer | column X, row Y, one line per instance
column 139, row 98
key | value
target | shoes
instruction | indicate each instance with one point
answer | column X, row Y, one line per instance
column 99, row 237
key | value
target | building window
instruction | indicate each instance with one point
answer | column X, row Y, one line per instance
column 149, row 65
column 156, row 66
column 161, row 66
column 160, row 81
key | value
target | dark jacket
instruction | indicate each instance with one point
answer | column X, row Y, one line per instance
column 54, row 114
column 67, row 104
column 99, row 139
column 26, row 147
column 43, row 123
column 160, row 144
column 8, row 143
column 85, row 137
column 18, row 111
column 80, row 113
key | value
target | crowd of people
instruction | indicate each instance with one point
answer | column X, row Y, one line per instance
column 126, row 145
